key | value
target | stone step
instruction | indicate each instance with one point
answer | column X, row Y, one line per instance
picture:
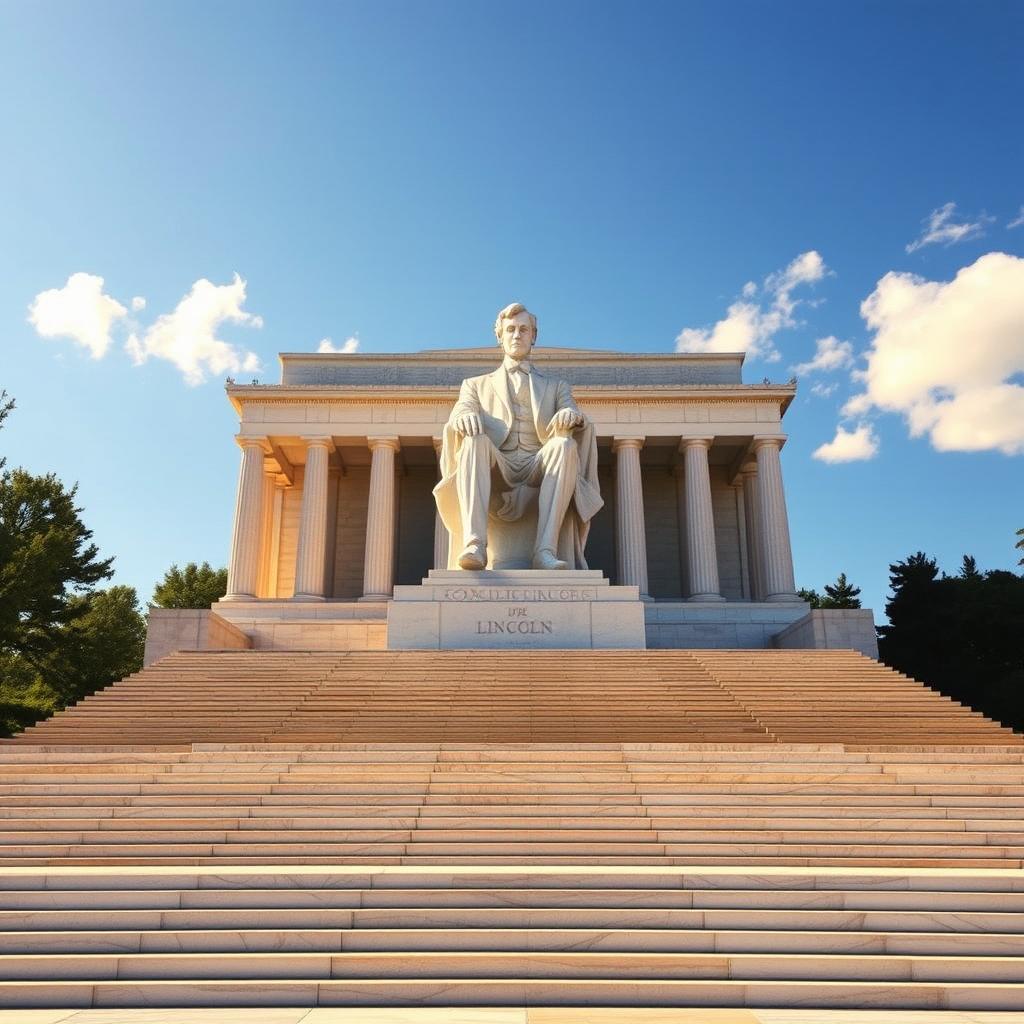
column 681, row 899
column 899, row 920
column 410, row 941
column 619, row 966
column 498, row 992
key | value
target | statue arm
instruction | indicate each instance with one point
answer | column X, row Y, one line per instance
column 465, row 416
column 567, row 416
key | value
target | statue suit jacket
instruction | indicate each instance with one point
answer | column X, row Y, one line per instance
column 489, row 395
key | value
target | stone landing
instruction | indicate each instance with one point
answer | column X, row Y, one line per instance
column 515, row 609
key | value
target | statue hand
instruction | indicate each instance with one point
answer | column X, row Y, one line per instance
column 469, row 425
column 566, row 419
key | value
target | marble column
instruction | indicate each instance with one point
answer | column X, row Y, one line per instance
column 440, row 532
column 701, row 553
column 311, row 557
column 773, row 523
column 243, row 567
column 630, row 536
column 266, row 526
column 379, row 561
column 754, row 557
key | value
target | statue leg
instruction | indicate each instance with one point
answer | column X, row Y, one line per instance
column 560, row 466
column 473, row 485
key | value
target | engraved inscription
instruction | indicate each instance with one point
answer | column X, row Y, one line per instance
column 510, row 594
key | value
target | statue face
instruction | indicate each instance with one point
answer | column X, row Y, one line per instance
column 517, row 335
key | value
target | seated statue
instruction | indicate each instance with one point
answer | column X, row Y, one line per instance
column 517, row 434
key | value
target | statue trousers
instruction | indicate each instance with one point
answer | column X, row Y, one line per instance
column 554, row 469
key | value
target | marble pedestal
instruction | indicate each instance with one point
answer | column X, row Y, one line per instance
column 515, row 609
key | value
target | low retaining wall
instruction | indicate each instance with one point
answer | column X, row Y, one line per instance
column 832, row 629
column 189, row 629
column 674, row 625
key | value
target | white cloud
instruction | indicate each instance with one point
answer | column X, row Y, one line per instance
column 138, row 304
column 1018, row 220
column 824, row 390
column 849, row 445
column 829, row 354
column 949, row 355
column 941, row 229
column 751, row 326
column 347, row 347
column 187, row 337
column 79, row 311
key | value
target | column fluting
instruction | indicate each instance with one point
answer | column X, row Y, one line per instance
column 379, row 560
column 630, row 535
column 701, row 552
column 311, row 557
column 773, row 523
column 243, row 566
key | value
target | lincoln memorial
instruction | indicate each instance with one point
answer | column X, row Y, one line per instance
column 336, row 516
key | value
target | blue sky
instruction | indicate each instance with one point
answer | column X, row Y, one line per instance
column 396, row 172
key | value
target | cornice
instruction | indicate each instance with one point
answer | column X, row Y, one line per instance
column 614, row 394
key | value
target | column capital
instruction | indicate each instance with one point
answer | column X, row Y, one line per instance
column 704, row 441
column 263, row 443
column 631, row 441
column 385, row 441
column 764, row 440
column 319, row 440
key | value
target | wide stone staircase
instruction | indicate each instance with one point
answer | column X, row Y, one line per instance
column 732, row 829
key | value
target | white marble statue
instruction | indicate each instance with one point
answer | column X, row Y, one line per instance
column 515, row 443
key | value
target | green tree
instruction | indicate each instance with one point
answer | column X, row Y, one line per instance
column 841, row 594
column 46, row 558
column 102, row 644
column 812, row 597
column 963, row 634
column 7, row 404
column 1019, row 545
column 195, row 586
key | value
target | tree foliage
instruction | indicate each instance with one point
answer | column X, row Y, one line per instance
column 46, row 558
column 841, row 594
column 103, row 643
column 60, row 639
column 963, row 634
column 195, row 586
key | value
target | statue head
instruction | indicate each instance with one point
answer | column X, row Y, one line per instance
column 516, row 330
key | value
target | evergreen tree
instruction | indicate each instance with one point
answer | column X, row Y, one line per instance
column 45, row 558
column 195, row 586
column 812, row 597
column 963, row 634
column 841, row 594
column 1019, row 545
column 969, row 569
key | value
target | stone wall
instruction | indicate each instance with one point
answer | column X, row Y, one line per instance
column 832, row 629
column 416, row 514
column 350, row 534
column 189, row 629
column 673, row 625
column 291, row 511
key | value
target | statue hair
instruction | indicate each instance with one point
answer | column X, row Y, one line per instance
column 510, row 311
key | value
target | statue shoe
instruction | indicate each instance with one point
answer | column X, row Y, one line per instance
column 473, row 558
column 545, row 559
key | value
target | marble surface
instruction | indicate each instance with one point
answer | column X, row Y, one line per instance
column 512, row 609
